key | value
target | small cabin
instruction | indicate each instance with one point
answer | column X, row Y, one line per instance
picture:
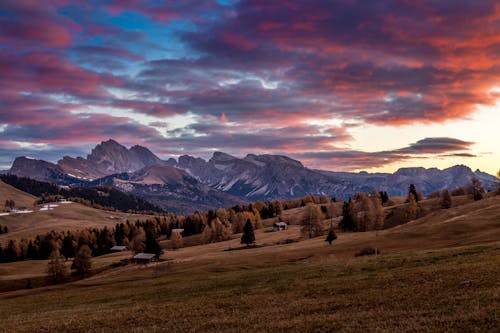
column 145, row 258
column 280, row 226
column 118, row 248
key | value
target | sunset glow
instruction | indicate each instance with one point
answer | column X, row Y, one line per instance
column 338, row 85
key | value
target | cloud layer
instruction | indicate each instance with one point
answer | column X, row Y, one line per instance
column 248, row 76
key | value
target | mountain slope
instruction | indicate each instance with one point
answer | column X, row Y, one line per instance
column 259, row 176
column 21, row 199
column 270, row 177
column 170, row 188
column 107, row 158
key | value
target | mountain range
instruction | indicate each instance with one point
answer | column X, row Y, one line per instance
column 192, row 183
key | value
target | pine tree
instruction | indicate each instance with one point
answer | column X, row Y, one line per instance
column 331, row 236
column 248, row 236
column 347, row 222
column 152, row 245
column 68, row 247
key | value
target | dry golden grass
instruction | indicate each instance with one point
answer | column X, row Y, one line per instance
column 418, row 292
column 21, row 198
column 435, row 274
column 64, row 217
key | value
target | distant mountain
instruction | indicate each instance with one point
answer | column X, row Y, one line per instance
column 42, row 171
column 259, row 176
column 193, row 184
column 107, row 158
column 268, row 177
column 169, row 188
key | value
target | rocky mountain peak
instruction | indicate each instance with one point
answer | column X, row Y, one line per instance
column 219, row 156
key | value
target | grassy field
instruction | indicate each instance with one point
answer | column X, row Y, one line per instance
column 64, row 217
column 438, row 273
column 447, row 291
column 21, row 198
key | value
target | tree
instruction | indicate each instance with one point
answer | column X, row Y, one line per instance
column 68, row 247
column 347, row 222
column 176, row 240
column 477, row 188
column 9, row 204
column 445, row 199
column 412, row 190
column 82, row 262
column 412, row 209
column 498, row 185
column 56, row 268
column 138, row 238
column 312, row 225
column 248, row 236
column 152, row 245
column 331, row 236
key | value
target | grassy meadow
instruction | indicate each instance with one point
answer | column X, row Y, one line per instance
column 447, row 291
column 438, row 273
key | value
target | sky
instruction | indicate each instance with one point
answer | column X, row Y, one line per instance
column 341, row 85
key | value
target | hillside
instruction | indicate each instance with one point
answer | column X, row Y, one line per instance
column 61, row 218
column 21, row 199
column 449, row 259
column 170, row 188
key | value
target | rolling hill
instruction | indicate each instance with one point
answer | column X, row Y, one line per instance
column 21, row 199
column 436, row 273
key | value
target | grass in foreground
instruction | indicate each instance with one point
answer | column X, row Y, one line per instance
column 395, row 293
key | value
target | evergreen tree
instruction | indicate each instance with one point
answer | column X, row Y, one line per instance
column 347, row 222
column 151, row 244
column 331, row 236
column 68, row 247
column 32, row 252
column 119, row 233
column 248, row 236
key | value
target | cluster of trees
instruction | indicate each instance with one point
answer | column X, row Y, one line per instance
column 9, row 204
column 3, row 229
column 101, row 197
column 363, row 212
column 139, row 236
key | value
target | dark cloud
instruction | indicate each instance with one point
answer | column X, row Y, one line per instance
column 423, row 149
column 255, row 75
